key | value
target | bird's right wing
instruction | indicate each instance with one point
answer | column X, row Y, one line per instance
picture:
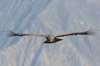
column 12, row 34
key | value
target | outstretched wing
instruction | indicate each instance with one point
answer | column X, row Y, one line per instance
column 89, row 32
column 11, row 34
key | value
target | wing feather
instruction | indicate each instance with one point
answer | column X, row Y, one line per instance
column 69, row 34
column 11, row 34
column 89, row 32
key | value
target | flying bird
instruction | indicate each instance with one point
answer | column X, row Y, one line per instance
column 52, row 38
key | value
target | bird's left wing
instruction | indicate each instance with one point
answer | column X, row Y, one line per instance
column 89, row 32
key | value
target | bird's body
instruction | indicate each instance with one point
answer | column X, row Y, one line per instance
column 51, row 38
